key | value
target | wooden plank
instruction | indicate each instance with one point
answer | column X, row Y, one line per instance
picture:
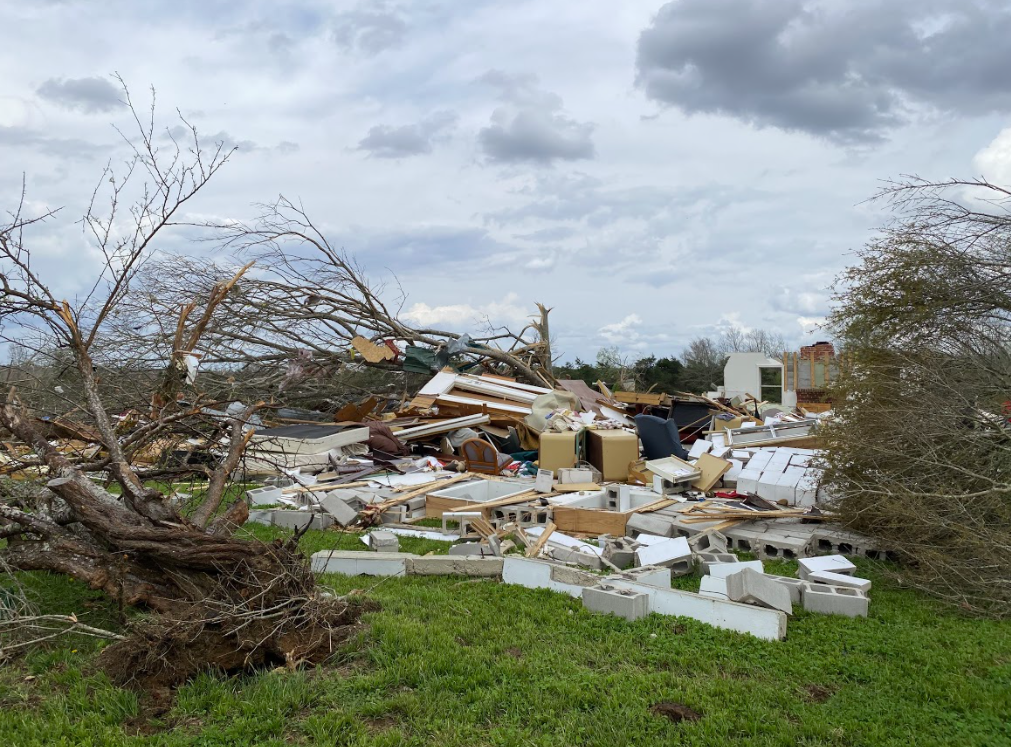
column 713, row 468
column 535, row 548
column 590, row 520
column 509, row 500
column 420, row 491
column 654, row 506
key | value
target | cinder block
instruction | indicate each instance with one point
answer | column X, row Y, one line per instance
column 648, row 574
column 538, row 574
column 833, row 563
column 772, row 544
column 747, row 480
column 448, row 565
column 382, row 540
column 723, row 570
column 714, row 587
column 754, row 587
column 341, row 512
column 672, row 553
column 706, row 559
column 575, row 555
column 265, row 496
column 619, row 551
column 292, row 519
column 352, row 563
column 262, row 516
column 609, row 600
column 839, row 579
column 835, row 600
column 648, row 524
column 708, row 542
column 762, row 623
column 795, row 586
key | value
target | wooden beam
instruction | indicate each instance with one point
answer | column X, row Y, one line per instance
column 535, row 548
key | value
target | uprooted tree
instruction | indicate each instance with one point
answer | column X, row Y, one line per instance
column 921, row 454
column 119, row 362
column 220, row 601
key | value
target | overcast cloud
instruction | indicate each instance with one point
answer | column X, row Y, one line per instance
column 650, row 170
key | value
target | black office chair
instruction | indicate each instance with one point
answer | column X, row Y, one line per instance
column 659, row 437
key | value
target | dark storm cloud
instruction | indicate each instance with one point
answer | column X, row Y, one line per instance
column 845, row 71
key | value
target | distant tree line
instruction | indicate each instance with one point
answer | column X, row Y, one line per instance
column 698, row 368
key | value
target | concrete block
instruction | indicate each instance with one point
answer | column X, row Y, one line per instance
column 700, row 447
column 772, row 544
column 762, row 623
column 341, row 512
column 649, row 574
column 649, row 524
column 381, row 540
column 449, row 565
column 833, row 563
column 292, row 519
column 706, row 559
column 835, row 600
column 575, row 555
column 747, row 480
column 609, row 600
column 754, row 587
column 839, row 579
column 708, row 542
column 767, row 484
column 538, row 574
column 265, row 496
column 714, row 587
column 673, row 553
column 619, row 551
column 794, row 586
column 265, row 517
column 352, row 563
column 731, row 475
column 746, row 538
column 722, row 570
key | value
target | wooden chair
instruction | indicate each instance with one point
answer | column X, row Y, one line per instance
column 482, row 457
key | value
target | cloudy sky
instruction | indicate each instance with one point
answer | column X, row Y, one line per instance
column 651, row 170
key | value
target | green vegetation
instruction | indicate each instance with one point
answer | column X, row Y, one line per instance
column 451, row 661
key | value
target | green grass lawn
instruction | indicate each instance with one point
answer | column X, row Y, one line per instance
column 454, row 662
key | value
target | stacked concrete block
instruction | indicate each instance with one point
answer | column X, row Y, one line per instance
column 747, row 480
column 352, row 563
column 839, row 579
column 448, row 565
column 806, row 493
column 762, row 623
column 462, row 519
column 835, row 600
column 539, row 574
column 754, row 587
column 731, row 475
column 610, row 600
column 833, row 563
column 650, row 575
